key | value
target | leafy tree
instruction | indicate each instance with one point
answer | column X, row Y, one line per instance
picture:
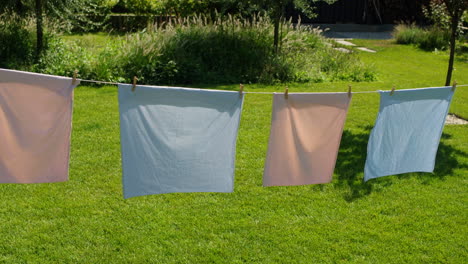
column 23, row 7
column 455, row 9
column 39, row 28
column 71, row 13
column 277, row 11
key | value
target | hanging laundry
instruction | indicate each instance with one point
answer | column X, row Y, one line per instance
column 305, row 136
column 35, row 127
column 407, row 132
column 177, row 139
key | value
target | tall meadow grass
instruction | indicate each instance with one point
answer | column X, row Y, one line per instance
column 198, row 49
column 427, row 39
column 233, row 49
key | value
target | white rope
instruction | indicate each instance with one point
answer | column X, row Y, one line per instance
column 258, row 92
column 99, row 82
column 363, row 92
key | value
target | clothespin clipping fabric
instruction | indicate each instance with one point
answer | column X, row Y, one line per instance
column 393, row 90
column 75, row 74
column 135, row 79
column 454, row 86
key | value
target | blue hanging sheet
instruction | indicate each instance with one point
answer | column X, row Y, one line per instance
column 177, row 139
column 407, row 132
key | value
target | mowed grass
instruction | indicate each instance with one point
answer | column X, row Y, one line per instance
column 94, row 42
column 411, row 218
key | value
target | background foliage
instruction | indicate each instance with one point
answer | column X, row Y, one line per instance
column 437, row 34
column 17, row 41
column 228, row 50
column 65, row 15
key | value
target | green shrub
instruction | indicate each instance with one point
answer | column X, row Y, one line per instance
column 434, row 38
column 233, row 50
column 407, row 34
column 427, row 39
column 197, row 50
column 313, row 59
column 64, row 58
column 17, row 42
column 194, row 50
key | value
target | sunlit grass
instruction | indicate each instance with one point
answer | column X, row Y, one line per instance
column 412, row 218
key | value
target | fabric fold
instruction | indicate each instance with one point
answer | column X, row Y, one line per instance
column 35, row 127
column 305, row 137
column 407, row 131
column 178, row 139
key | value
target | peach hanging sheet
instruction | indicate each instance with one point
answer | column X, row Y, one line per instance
column 35, row 127
column 305, row 136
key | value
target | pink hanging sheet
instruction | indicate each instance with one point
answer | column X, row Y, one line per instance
column 35, row 127
column 305, row 137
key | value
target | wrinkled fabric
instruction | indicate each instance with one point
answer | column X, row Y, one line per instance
column 305, row 137
column 178, row 139
column 35, row 127
column 407, row 132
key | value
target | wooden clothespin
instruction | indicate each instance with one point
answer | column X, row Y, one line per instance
column 286, row 92
column 241, row 90
column 135, row 79
column 393, row 90
column 75, row 74
column 349, row 91
column 454, row 86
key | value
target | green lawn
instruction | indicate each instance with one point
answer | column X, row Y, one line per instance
column 94, row 42
column 412, row 218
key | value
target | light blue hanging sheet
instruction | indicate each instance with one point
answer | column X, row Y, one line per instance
column 177, row 139
column 407, row 132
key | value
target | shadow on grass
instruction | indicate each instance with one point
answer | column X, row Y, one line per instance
column 352, row 158
column 349, row 167
column 446, row 161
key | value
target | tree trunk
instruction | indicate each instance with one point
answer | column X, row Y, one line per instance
column 276, row 30
column 39, row 29
column 453, row 38
column 277, row 15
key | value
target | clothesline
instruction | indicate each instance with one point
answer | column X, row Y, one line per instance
column 363, row 92
column 161, row 141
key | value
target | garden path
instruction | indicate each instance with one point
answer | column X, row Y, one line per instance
column 346, row 43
